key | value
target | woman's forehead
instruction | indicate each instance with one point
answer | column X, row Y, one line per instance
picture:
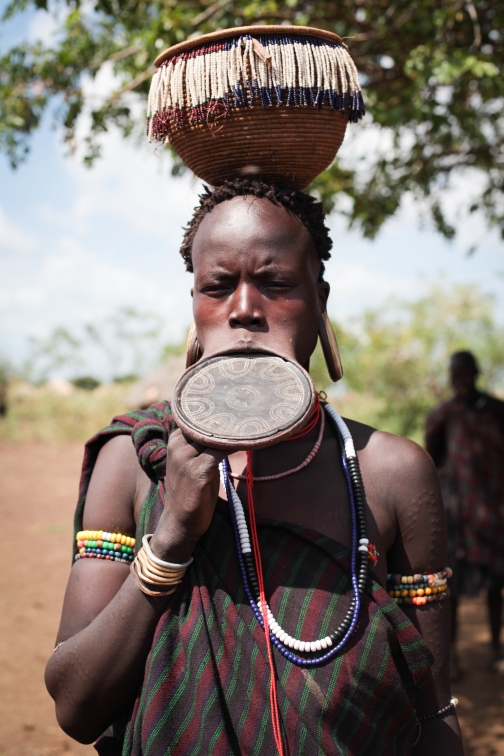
column 249, row 225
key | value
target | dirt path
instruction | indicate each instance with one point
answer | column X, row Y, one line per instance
column 38, row 487
column 480, row 691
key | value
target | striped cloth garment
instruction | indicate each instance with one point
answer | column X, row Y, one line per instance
column 206, row 683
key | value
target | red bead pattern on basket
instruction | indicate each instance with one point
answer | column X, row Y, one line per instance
column 203, row 85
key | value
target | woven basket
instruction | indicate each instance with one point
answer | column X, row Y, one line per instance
column 290, row 145
column 283, row 144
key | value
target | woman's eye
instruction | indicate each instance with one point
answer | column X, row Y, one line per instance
column 217, row 289
column 278, row 285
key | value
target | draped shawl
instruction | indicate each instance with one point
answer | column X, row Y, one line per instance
column 206, row 683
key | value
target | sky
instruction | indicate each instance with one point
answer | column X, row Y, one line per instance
column 77, row 243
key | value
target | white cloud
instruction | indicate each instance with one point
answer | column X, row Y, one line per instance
column 13, row 238
column 129, row 186
column 73, row 286
column 354, row 287
column 43, row 26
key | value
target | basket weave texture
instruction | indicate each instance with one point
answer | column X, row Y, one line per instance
column 289, row 145
column 266, row 101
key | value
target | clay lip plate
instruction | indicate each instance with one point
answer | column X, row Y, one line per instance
column 242, row 398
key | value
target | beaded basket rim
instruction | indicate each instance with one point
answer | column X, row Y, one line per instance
column 237, row 31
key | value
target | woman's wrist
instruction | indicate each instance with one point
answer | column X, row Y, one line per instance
column 172, row 545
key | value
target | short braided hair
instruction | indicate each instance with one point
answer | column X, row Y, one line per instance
column 305, row 207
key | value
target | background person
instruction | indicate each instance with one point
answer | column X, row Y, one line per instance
column 465, row 438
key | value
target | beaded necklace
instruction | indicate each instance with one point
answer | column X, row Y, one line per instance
column 249, row 559
column 311, row 456
column 359, row 558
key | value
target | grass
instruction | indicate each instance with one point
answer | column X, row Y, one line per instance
column 41, row 414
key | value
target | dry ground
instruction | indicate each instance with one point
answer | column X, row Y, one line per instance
column 38, row 486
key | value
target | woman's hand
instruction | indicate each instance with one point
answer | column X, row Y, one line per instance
column 192, row 487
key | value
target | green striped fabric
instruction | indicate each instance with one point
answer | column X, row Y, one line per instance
column 206, row 690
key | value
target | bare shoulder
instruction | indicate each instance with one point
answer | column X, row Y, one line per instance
column 401, row 461
column 114, row 488
column 401, row 479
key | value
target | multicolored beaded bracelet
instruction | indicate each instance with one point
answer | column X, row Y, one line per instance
column 420, row 580
column 421, row 600
column 419, row 589
column 100, row 544
column 123, row 558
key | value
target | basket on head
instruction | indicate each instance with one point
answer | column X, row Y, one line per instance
column 266, row 101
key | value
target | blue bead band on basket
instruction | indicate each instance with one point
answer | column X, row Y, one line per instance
column 249, row 101
column 282, row 70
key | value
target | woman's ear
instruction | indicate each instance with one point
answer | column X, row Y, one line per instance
column 323, row 290
column 330, row 348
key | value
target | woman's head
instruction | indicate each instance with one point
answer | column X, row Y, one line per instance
column 303, row 206
column 257, row 254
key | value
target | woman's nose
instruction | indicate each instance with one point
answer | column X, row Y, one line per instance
column 246, row 311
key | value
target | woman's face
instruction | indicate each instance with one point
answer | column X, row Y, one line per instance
column 256, row 281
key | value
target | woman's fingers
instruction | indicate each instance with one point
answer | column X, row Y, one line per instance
column 215, row 454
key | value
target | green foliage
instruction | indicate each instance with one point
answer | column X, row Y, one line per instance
column 120, row 346
column 430, row 69
column 60, row 350
column 85, row 382
column 126, row 378
column 171, row 350
column 396, row 357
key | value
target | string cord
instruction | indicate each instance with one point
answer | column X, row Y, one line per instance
column 275, row 715
column 317, row 413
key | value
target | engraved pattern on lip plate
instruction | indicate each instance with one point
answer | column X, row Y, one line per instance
column 242, row 397
column 264, row 393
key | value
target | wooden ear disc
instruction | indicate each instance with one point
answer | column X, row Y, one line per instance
column 330, row 348
column 243, row 400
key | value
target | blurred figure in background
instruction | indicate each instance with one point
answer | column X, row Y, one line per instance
column 465, row 438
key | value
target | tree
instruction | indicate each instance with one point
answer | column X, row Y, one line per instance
column 120, row 347
column 396, row 357
column 60, row 350
column 429, row 68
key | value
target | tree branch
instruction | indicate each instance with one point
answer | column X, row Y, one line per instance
column 134, row 83
column 124, row 53
column 476, row 25
column 209, row 12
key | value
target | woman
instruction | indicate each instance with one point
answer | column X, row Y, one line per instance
column 188, row 670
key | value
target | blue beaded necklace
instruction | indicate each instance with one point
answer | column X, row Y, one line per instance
column 358, row 558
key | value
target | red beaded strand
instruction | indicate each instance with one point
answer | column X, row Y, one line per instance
column 317, row 414
column 275, row 715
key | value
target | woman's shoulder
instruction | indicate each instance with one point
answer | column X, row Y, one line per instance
column 398, row 466
column 120, row 466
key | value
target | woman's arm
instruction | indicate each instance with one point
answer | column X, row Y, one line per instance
column 420, row 547
column 107, row 623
